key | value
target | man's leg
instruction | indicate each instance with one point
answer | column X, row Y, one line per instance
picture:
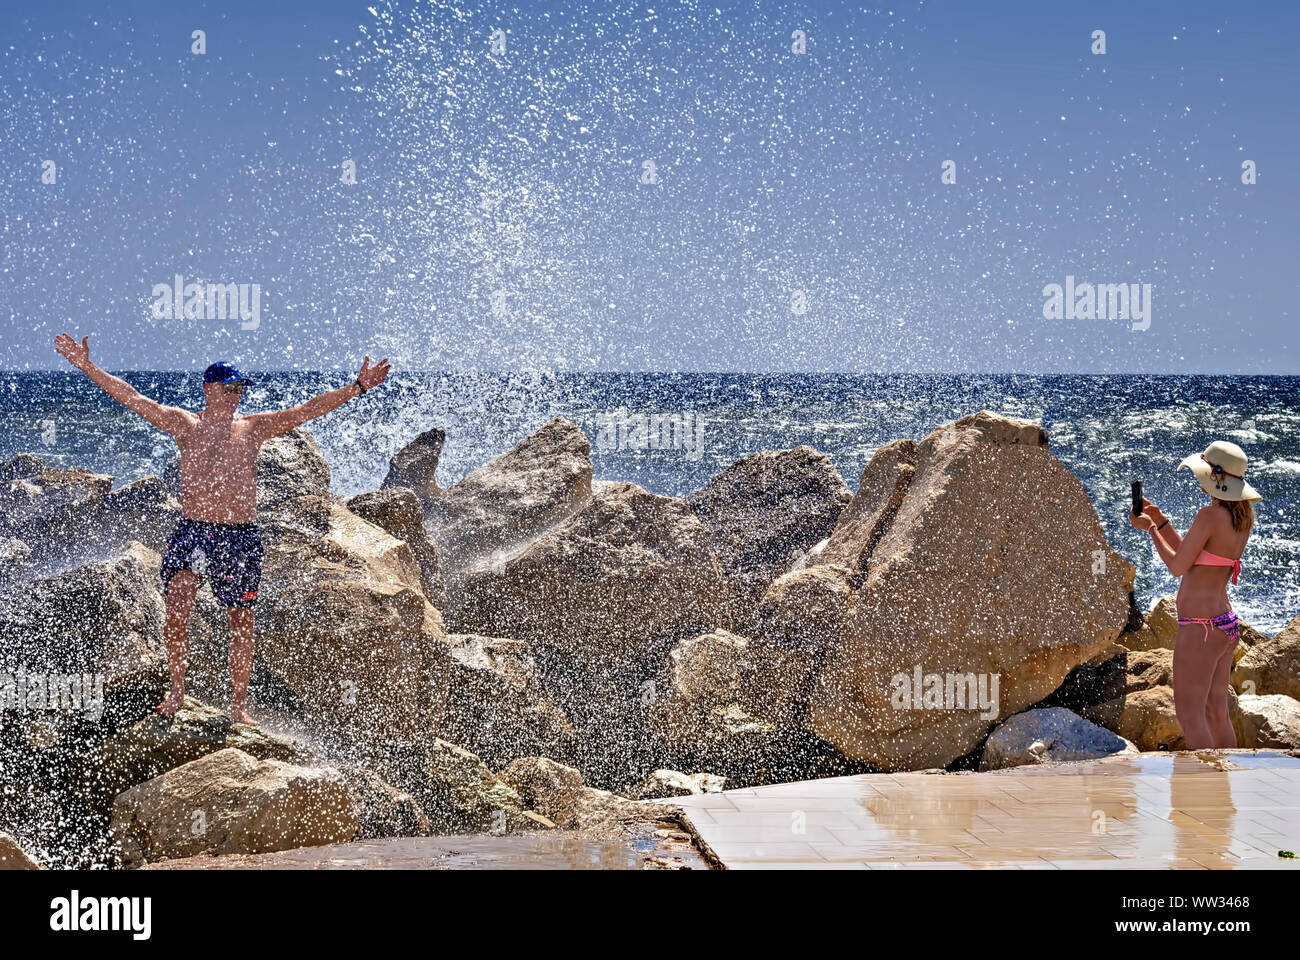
column 176, row 634
column 241, row 661
column 237, row 574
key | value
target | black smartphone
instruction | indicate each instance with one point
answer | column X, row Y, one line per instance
column 1137, row 497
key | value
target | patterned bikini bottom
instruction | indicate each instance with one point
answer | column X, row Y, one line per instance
column 1227, row 622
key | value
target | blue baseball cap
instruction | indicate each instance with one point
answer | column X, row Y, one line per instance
column 222, row 372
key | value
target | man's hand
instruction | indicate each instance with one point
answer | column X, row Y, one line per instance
column 373, row 376
column 76, row 354
column 280, row 422
column 169, row 419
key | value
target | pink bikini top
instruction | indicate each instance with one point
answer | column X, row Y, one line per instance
column 1214, row 560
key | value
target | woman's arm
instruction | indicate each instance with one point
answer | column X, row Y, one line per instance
column 1163, row 529
column 1178, row 553
column 1179, row 558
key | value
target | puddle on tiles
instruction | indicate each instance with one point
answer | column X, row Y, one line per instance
column 1123, row 809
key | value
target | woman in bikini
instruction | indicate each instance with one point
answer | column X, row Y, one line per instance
column 1204, row 558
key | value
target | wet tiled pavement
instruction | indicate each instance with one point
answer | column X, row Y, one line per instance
column 1223, row 809
column 560, row 850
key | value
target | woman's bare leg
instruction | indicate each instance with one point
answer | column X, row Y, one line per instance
column 1195, row 660
column 1216, row 706
column 176, row 635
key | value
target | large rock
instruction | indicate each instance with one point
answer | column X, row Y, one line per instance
column 154, row 745
column 515, row 497
column 730, row 704
column 458, row 791
column 24, row 513
column 73, row 487
column 1272, row 665
column 552, row 789
column 58, row 513
column 144, row 510
column 764, row 512
column 973, row 553
column 102, row 619
column 86, row 647
column 23, row 504
column 612, row 585
column 736, row 705
column 601, row 597
column 1162, row 622
column 229, row 802
column 1145, row 711
column 13, row 857
column 1049, row 735
column 344, row 624
column 72, row 517
column 557, row 792
column 382, row 810
column 22, row 466
column 415, row 466
column 1272, row 720
column 399, row 513
column 1155, row 630
column 804, row 614
column 496, row 704
column 1149, row 721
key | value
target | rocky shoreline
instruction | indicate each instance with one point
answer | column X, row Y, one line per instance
column 530, row 649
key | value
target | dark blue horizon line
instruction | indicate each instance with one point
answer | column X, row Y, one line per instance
column 699, row 373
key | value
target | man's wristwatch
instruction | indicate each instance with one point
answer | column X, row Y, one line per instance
column 357, row 381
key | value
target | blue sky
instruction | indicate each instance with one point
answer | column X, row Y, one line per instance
column 500, row 220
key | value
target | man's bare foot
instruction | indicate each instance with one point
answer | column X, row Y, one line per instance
column 241, row 715
column 170, row 705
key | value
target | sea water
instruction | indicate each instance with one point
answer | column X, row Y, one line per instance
column 671, row 432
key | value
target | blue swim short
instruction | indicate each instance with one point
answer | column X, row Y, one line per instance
column 229, row 554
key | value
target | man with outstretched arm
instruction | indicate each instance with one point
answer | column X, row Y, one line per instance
column 218, row 533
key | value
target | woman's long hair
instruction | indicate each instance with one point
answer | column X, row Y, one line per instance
column 1242, row 513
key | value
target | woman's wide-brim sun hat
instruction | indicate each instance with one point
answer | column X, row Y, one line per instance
column 1221, row 469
